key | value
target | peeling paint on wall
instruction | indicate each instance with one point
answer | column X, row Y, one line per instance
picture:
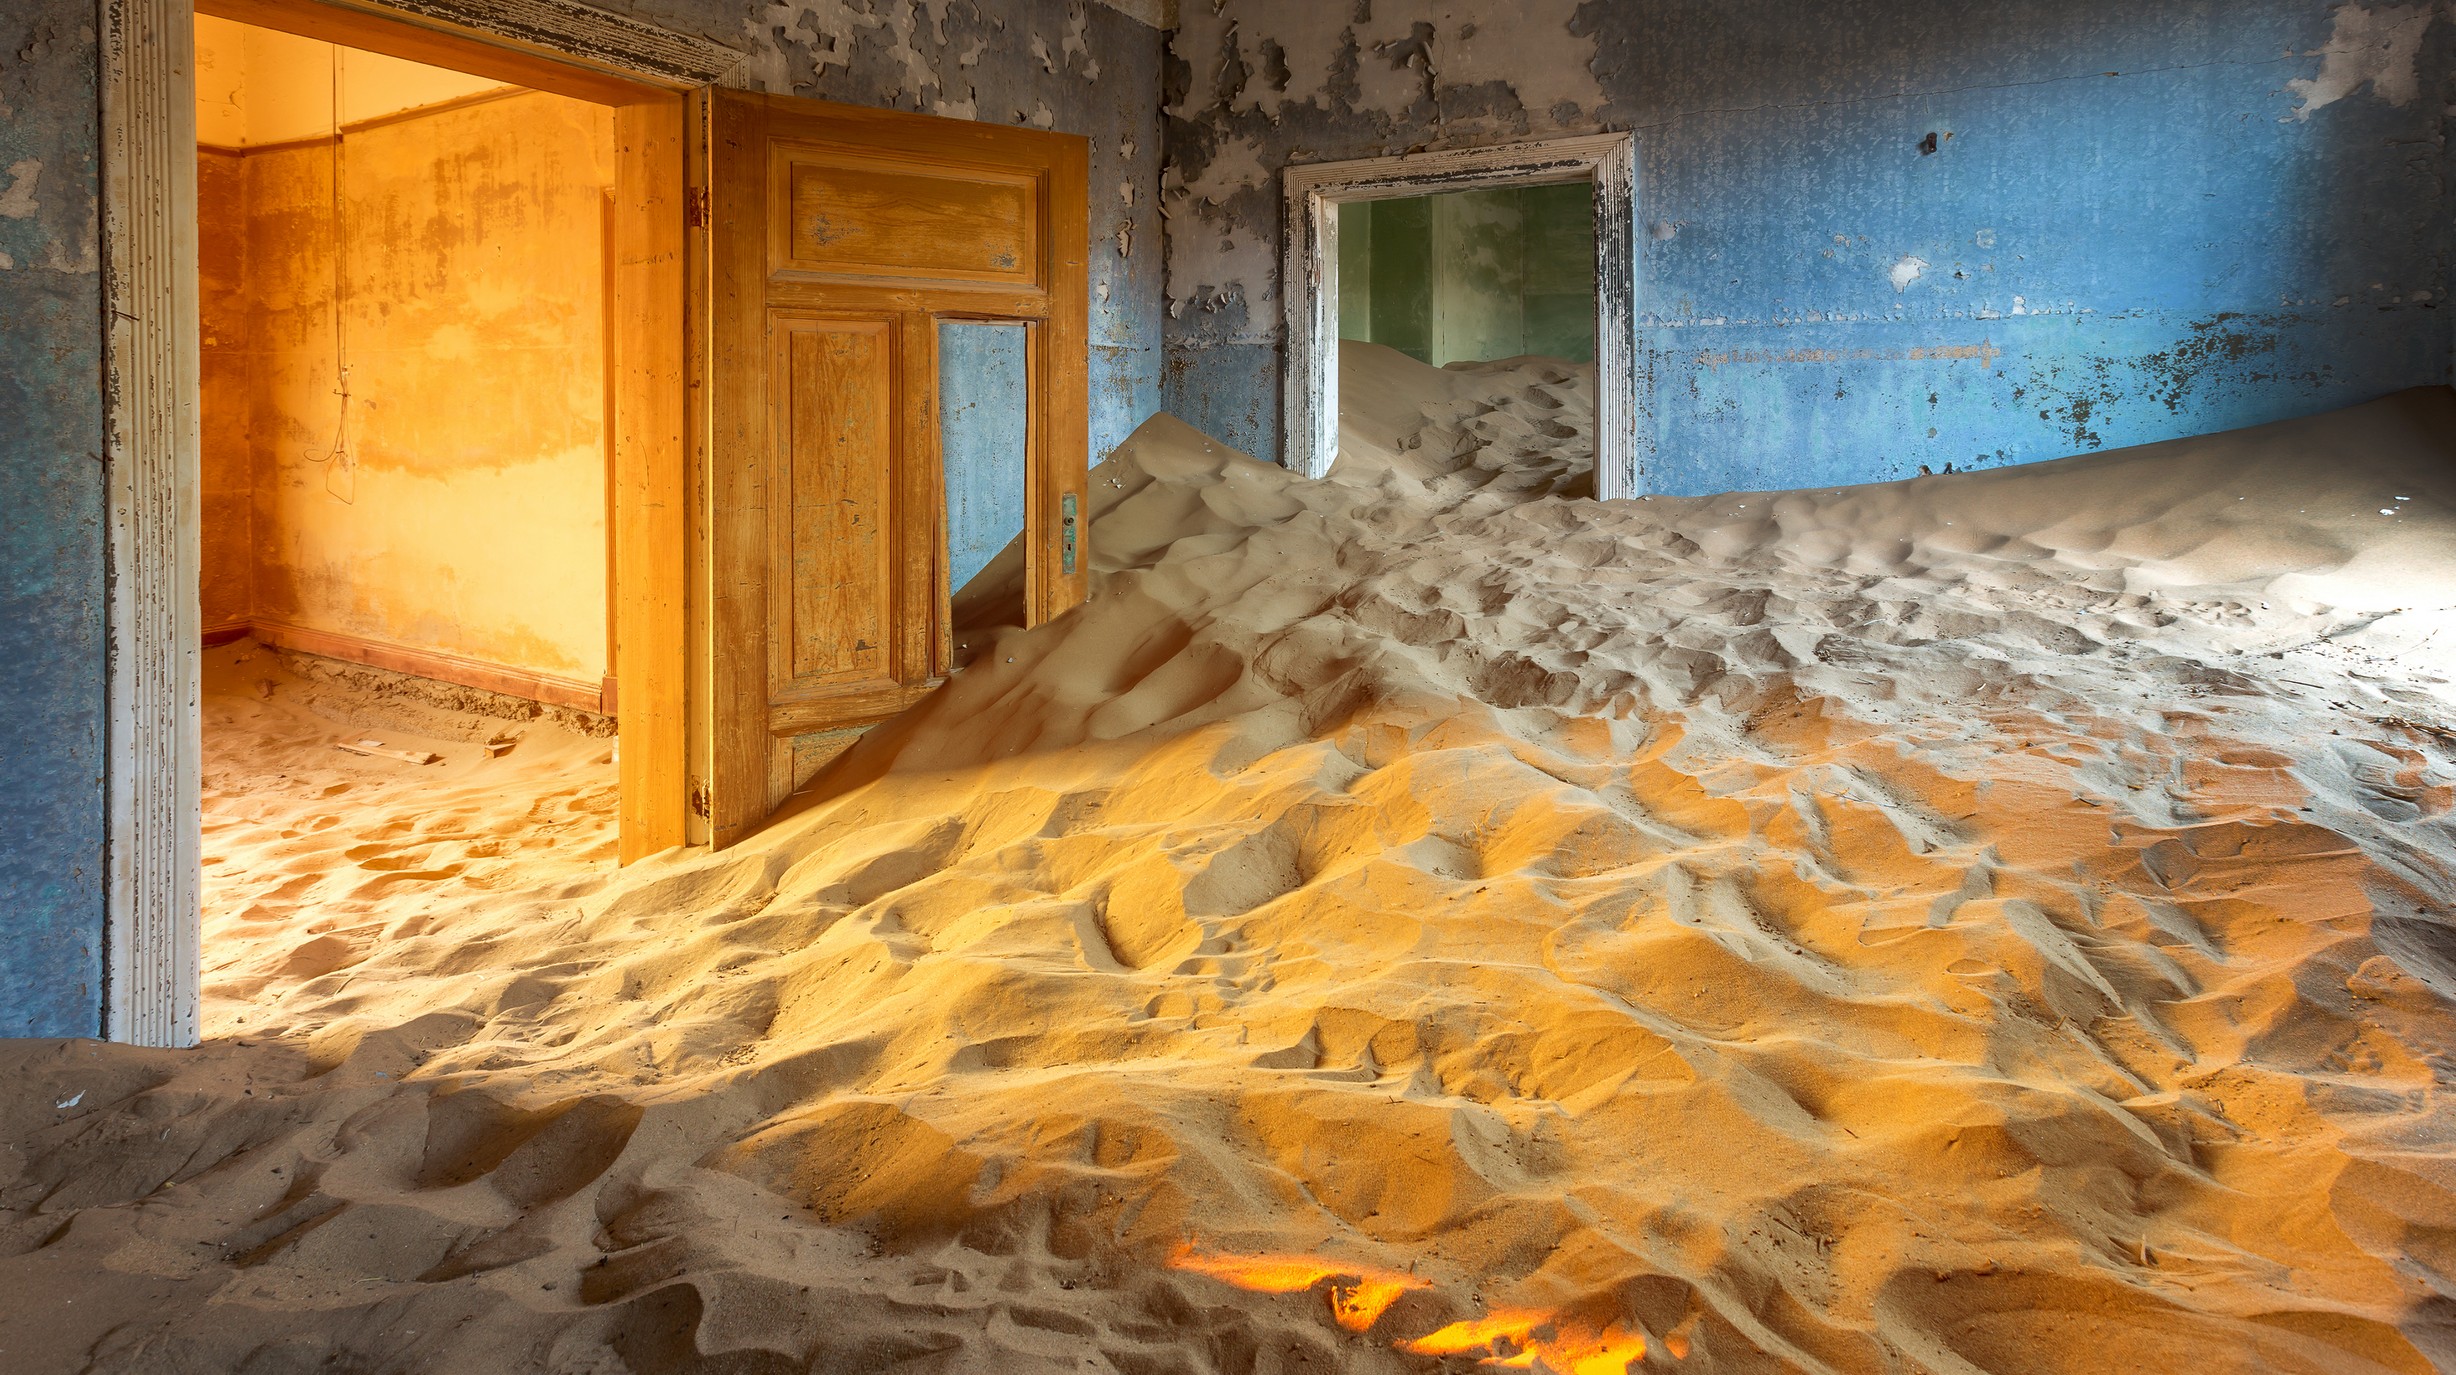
column 2379, row 48
column 17, row 202
column 1267, row 81
column 1846, row 203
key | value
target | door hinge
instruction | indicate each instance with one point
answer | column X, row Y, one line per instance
column 695, row 207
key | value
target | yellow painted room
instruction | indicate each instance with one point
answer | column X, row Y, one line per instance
column 405, row 446
column 405, row 432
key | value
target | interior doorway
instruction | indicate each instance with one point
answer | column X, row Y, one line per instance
column 814, row 321
column 1472, row 276
column 344, row 486
column 406, row 457
column 1467, row 255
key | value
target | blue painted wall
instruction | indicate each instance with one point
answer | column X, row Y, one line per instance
column 2131, row 222
column 51, row 504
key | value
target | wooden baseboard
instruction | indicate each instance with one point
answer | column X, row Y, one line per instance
column 219, row 635
column 551, row 689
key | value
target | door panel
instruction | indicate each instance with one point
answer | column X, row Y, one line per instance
column 840, row 247
column 861, row 217
column 836, row 520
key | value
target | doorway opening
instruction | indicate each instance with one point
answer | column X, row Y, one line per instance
column 1472, row 276
column 1497, row 281
column 287, row 554
column 1467, row 255
column 406, row 457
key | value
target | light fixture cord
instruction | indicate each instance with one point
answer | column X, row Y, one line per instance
column 336, row 456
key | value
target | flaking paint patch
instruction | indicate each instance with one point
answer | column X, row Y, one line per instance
column 1461, row 72
column 1905, row 271
column 86, row 260
column 833, row 29
column 1217, row 258
column 2380, row 48
column 1076, row 46
column 795, row 44
column 17, row 202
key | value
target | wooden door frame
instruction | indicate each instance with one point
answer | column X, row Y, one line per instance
column 152, row 917
column 1309, row 276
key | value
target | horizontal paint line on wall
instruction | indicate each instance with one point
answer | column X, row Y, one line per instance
column 460, row 670
column 360, row 126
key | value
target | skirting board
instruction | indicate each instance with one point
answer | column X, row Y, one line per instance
column 443, row 667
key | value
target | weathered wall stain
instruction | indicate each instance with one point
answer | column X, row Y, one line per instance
column 51, row 506
column 1834, row 193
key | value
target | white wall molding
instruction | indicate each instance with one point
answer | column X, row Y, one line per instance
column 1309, row 282
column 153, row 749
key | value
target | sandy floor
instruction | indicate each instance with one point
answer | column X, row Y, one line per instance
column 1409, row 921
column 315, row 857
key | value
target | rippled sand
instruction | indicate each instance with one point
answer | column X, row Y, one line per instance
column 1408, row 921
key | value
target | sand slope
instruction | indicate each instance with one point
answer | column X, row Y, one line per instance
column 1994, row 922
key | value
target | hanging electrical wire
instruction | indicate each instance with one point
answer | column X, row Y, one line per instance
column 340, row 466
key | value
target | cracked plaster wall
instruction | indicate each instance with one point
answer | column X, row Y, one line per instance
column 51, row 506
column 1882, row 235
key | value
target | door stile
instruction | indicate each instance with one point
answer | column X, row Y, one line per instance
column 1061, row 431
column 650, row 324
column 929, row 632
column 737, row 782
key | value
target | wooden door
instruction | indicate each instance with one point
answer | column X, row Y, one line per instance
column 835, row 242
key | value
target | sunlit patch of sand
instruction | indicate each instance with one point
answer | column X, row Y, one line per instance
column 1358, row 1295
column 1995, row 922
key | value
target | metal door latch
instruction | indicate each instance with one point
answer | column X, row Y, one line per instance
column 1066, row 527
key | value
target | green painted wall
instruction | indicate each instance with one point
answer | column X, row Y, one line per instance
column 1560, row 271
column 1472, row 275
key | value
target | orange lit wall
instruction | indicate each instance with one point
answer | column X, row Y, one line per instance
column 450, row 519
column 229, row 476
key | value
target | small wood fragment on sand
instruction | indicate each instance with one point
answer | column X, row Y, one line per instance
column 377, row 747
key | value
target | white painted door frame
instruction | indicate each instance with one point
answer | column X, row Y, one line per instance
column 1309, row 282
column 153, row 747
column 153, row 742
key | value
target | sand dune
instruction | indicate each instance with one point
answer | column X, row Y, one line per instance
column 1413, row 920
